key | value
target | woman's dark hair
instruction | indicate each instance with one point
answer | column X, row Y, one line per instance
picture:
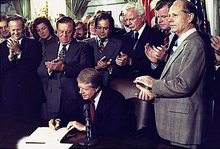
column 40, row 20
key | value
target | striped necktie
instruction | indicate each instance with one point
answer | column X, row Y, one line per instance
column 62, row 52
column 166, row 39
column 101, row 47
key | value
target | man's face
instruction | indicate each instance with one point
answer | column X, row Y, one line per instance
column 65, row 32
column 102, row 29
column 16, row 29
column 134, row 21
column 86, row 91
column 179, row 20
column 79, row 32
column 43, row 31
column 4, row 29
column 162, row 18
column 86, row 20
column 92, row 28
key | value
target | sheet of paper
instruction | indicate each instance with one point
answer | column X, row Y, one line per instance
column 45, row 138
column 45, row 134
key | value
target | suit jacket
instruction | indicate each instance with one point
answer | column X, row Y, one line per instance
column 179, row 108
column 110, row 114
column 21, row 83
column 111, row 51
column 217, row 97
column 62, row 86
column 50, row 46
column 141, row 65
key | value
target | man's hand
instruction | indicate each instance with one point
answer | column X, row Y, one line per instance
column 155, row 54
column 216, row 44
column 54, row 124
column 103, row 63
column 77, row 125
column 122, row 59
column 13, row 46
column 55, row 65
column 162, row 54
column 144, row 94
column 146, row 80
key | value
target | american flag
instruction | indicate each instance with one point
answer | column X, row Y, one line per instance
column 200, row 5
column 149, row 10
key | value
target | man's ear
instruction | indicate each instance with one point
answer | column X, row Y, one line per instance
column 191, row 16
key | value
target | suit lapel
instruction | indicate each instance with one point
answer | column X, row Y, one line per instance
column 142, row 40
column 108, row 49
column 102, row 105
column 24, row 44
column 73, row 48
column 176, row 54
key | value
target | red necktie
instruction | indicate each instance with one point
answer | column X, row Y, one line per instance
column 101, row 47
column 166, row 39
column 92, row 109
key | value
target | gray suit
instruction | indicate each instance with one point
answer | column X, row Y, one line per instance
column 179, row 107
column 111, row 51
column 62, row 86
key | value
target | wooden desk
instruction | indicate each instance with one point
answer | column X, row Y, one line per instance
column 133, row 140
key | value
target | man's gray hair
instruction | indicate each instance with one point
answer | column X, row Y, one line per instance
column 137, row 6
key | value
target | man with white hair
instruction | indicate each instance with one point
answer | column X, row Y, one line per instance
column 132, row 57
column 179, row 93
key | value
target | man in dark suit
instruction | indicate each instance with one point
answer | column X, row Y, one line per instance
column 4, row 29
column 109, row 106
column 20, row 58
column 61, row 66
column 161, row 54
column 216, row 46
column 106, row 48
column 179, row 93
column 132, row 57
column 124, row 27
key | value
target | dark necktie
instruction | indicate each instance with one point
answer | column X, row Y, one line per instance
column 101, row 47
column 92, row 109
column 174, row 48
column 136, row 37
column 166, row 39
column 62, row 52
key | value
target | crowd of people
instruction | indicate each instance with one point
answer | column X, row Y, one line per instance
column 52, row 73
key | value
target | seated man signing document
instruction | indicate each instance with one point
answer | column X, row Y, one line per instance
column 109, row 117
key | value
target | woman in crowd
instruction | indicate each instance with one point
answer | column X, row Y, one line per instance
column 43, row 28
column 44, row 31
column 91, row 28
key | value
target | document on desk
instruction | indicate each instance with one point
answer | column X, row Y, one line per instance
column 47, row 136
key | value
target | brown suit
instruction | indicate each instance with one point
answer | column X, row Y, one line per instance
column 179, row 107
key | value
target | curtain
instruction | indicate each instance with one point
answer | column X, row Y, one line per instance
column 77, row 5
column 18, row 6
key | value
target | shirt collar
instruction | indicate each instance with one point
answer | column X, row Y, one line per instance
column 140, row 31
column 99, row 40
column 61, row 46
column 97, row 98
column 185, row 35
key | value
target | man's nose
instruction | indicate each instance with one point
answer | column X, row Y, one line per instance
column 159, row 20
